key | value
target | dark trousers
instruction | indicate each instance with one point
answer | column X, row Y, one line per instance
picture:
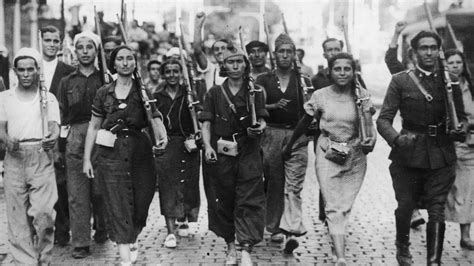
column 411, row 185
column 61, row 207
column 236, row 190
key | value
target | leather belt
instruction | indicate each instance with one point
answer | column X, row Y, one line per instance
column 431, row 130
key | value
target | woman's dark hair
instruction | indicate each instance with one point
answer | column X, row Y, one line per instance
column 170, row 62
column 465, row 71
column 348, row 56
column 113, row 55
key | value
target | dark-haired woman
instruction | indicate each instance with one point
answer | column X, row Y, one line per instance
column 233, row 159
column 178, row 168
column 340, row 177
column 125, row 155
column 460, row 203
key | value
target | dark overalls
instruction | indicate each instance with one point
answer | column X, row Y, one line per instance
column 235, row 194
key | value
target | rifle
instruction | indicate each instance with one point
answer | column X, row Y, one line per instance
column 452, row 118
column 307, row 89
column 190, row 142
column 265, row 27
column 366, row 124
column 251, row 87
column 142, row 89
column 102, row 61
column 43, row 91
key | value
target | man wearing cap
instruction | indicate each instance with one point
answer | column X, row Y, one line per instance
column 257, row 52
column 284, row 179
column 211, row 71
column 76, row 93
column 30, row 185
column 232, row 152
column 423, row 154
column 53, row 71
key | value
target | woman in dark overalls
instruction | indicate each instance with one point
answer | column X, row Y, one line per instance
column 125, row 153
column 178, row 168
column 235, row 195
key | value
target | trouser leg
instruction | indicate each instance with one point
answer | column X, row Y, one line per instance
column 295, row 170
column 273, row 167
column 79, row 188
column 43, row 196
column 62, row 208
column 20, row 229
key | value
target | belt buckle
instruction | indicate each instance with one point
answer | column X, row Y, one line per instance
column 432, row 130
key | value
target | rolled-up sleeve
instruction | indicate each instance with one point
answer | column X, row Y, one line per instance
column 98, row 104
column 311, row 106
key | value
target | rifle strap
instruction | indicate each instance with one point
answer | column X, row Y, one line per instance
column 418, row 84
column 231, row 104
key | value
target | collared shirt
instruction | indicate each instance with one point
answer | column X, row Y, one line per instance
column 129, row 110
column 176, row 115
column 217, row 110
column 294, row 109
column 48, row 70
column 76, row 93
column 403, row 95
column 425, row 72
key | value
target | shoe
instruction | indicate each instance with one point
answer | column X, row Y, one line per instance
column 133, row 252
column 290, row 245
column 277, row 238
column 100, row 237
column 468, row 244
column 404, row 256
column 416, row 219
column 231, row 258
column 61, row 241
column 183, row 230
column 80, row 252
column 434, row 242
column 341, row 262
column 170, row 241
column 245, row 259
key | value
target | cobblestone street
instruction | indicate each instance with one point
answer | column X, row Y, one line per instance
column 370, row 237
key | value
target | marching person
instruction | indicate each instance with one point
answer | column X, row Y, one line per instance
column 423, row 154
column 460, row 203
column 257, row 52
column 30, row 184
column 335, row 109
column 76, row 93
column 178, row 168
column 211, row 71
column 305, row 70
column 395, row 66
column 125, row 163
column 154, row 77
column 284, row 179
column 233, row 158
column 54, row 70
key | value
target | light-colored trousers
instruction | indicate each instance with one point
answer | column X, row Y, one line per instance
column 30, row 194
column 284, row 181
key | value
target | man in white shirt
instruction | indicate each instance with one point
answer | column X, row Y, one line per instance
column 209, row 70
column 30, row 185
column 53, row 71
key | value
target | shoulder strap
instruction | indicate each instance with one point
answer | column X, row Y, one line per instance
column 412, row 75
column 231, row 105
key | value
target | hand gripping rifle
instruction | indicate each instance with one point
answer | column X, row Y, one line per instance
column 366, row 124
column 452, row 118
column 251, row 87
column 143, row 91
column 270, row 53
column 102, row 61
column 43, row 91
column 307, row 89
column 191, row 142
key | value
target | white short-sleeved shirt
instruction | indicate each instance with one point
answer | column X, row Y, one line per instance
column 24, row 117
column 211, row 74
